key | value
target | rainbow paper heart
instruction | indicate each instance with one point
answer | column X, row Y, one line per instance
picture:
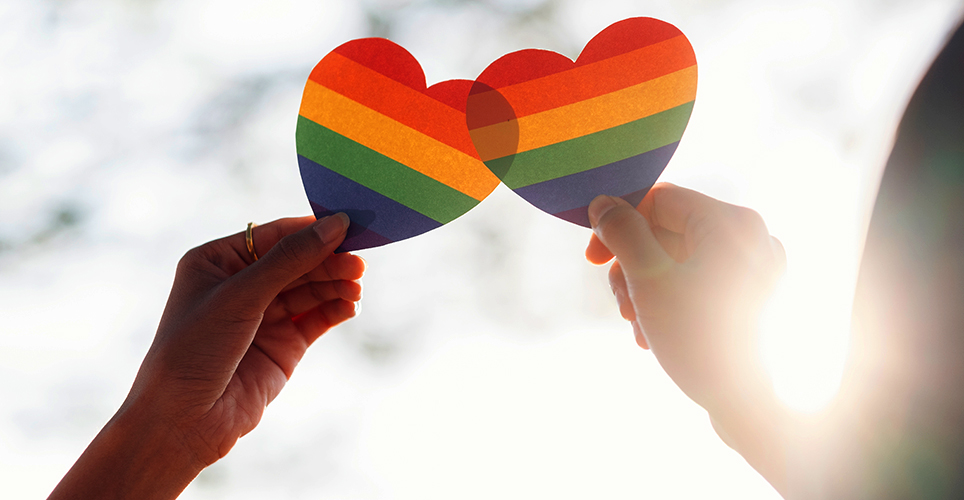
column 559, row 133
column 375, row 143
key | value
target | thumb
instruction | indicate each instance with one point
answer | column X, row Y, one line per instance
column 289, row 259
column 627, row 234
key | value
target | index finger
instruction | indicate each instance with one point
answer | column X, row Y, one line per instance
column 339, row 266
column 681, row 211
column 266, row 236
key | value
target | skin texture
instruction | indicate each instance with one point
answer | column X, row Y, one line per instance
column 230, row 337
column 691, row 275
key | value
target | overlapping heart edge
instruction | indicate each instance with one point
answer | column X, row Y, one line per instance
column 560, row 132
column 548, row 196
column 375, row 143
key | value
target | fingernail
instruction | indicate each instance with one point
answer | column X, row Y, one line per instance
column 332, row 226
column 599, row 207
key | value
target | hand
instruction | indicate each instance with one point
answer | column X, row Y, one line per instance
column 230, row 337
column 692, row 274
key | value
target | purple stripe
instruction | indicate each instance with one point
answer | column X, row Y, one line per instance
column 357, row 238
column 581, row 215
column 385, row 219
column 621, row 178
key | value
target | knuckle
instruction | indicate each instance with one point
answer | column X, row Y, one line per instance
column 701, row 226
column 284, row 302
column 318, row 291
column 193, row 258
column 738, row 225
column 749, row 220
column 293, row 249
column 617, row 218
column 616, row 276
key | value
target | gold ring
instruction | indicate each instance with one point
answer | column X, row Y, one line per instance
column 249, row 240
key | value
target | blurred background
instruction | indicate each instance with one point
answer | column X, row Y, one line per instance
column 489, row 360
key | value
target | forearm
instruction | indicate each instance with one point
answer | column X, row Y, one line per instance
column 131, row 457
column 803, row 457
column 760, row 430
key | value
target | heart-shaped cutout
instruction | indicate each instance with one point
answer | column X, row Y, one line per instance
column 559, row 133
column 375, row 143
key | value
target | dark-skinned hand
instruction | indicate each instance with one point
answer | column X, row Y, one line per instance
column 230, row 337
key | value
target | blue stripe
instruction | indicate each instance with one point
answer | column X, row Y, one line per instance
column 615, row 179
column 331, row 192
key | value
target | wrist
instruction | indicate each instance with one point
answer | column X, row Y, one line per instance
column 759, row 428
column 133, row 456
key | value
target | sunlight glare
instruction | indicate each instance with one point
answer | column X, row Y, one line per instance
column 804, row 339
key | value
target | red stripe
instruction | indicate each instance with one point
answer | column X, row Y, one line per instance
column 385, row 57
column 427, row 111
column 626, row 36
column 578, row 83
column 621, row 37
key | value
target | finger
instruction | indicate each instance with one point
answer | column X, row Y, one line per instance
column 640, row 336
column 340, row 266
column 294, row 255
column 231, row 255
column 627, row 235
column 617, row 281
column 779, row 259
column 319, row 320
column 779, row 254
column 686, row 212
column 596, row 252
column 309, row 296
column 285, row 344
column 674, row 244
column 265, row 236
column 672, row 207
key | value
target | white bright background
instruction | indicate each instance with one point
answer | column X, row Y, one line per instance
column 489, row 360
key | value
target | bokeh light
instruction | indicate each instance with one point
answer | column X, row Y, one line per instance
column 489, row 359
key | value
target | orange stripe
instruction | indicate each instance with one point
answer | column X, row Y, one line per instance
column 393, row 99
column 397, row 141
column 586, row 117
column 582, row 82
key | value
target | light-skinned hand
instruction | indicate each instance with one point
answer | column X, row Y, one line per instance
column 692, row 274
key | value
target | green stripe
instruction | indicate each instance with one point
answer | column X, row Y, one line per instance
column 380, row 173
column 593, row 150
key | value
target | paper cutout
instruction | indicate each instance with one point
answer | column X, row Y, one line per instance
column 375, row 143
column 559, row 133
column 402, row 159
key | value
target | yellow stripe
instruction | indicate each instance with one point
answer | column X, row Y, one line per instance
column 397, row 141
column 586, row 117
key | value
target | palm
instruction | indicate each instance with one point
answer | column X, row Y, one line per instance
column 260, row 376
